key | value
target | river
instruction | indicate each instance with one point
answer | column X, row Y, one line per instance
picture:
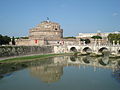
column 62, row 73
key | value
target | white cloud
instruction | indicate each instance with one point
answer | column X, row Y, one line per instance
column 115, row 14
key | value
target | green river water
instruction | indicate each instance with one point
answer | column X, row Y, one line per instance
column 62, row 73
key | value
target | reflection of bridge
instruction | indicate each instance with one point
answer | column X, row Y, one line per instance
column 103, row 62
column 51, row 70
column 114, row 49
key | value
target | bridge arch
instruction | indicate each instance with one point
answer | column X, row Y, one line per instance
column 119, row 51
column 102, row 49
column 73, row 49
column 87, row 49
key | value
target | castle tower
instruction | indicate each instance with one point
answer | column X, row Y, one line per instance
column 46, row 30
column 45, row 33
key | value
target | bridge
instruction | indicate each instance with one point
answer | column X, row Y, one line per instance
column 114, row 49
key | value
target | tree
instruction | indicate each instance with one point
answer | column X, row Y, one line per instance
column 13, row 40
column 114, row 37
column 24, row 37
column 1, row 39
column 69, row 37
column 87, row 41
column 96, row 37
column 4, row 40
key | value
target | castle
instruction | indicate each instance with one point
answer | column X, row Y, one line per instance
column 45, row 33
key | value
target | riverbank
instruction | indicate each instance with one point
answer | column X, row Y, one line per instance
column 13, row 51
column 99, row 55
column 43, row 56
column 30, row 57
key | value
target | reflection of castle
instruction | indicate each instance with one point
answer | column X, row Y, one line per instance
column 50, row 70
column 47, row 74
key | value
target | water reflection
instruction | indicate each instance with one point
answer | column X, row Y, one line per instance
column 73, row 58
column 47, row 73
column 51, row 70
column 105, row 59
column 87, row 59
column 6, row 69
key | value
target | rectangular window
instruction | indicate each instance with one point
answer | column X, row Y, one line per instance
column 36, row 41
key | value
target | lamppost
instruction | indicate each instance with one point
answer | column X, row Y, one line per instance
column 113, row 43
column 117, row 43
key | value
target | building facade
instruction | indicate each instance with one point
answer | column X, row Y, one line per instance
column 102, row 41
column 46, row 30
column 45, row 33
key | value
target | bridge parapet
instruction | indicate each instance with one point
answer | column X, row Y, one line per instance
column 96, row 48
column 82, row 48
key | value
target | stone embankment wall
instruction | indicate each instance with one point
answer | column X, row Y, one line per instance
column 7, row 51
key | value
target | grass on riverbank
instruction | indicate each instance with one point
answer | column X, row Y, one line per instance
column 29, row 58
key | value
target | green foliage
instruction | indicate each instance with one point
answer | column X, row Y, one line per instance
column 13, row 40
column 4, row 40
column 69, row 37
column 87, row 41
column 114, row 37
column 24, row 37
column 76, row 53
column 96, row 37
column 29, row 58
column 17, row 37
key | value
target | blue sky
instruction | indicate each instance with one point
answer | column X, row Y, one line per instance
column 74, row 16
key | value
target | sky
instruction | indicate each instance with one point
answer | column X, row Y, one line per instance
column 74, row 16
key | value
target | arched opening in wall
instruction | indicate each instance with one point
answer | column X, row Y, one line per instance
column 103, row 49
column 87, row 50
column 73, row 49
column 118, row 51
column 56, row 29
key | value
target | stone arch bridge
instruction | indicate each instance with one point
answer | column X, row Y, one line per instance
column 114, row 49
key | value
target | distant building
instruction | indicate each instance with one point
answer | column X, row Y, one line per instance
column 103, row 41
column 89, row 35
